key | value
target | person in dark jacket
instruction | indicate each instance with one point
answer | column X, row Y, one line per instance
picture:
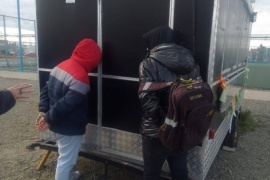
column 165, row 62
column 9, row 96
column 63, row 104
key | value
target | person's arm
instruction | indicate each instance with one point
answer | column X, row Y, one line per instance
column 152, row 111
column 75, row 96
column 58, row 111
column 7, row 101
column 8, row 97
column 50, row 115
column 44, row 102
column 20, row 91
column 43, row 106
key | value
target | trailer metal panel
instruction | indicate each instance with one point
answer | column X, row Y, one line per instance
column 216, row 31
column 60, row 25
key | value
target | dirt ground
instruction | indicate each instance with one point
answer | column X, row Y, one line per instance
column 17, row 130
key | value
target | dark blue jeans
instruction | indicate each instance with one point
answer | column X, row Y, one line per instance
column 155, row 154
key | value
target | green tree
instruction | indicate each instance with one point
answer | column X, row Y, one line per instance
column 261, row 50
column 253, row 54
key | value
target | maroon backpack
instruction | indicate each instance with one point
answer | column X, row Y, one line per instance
column 189, row 114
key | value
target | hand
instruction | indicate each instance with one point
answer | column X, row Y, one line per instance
column 41, row 124
column 20, row 90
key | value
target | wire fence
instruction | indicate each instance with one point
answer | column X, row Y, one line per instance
column 17, row 44
column 18, row 48
column 259, row 54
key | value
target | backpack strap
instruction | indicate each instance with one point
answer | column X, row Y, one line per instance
column 153, row 86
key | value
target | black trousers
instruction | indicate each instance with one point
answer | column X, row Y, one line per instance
column 155, row 154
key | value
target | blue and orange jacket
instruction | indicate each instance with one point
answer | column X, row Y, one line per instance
column 64, row 98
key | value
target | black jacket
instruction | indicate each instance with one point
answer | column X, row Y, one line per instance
column 165, row 63
column 7, row 101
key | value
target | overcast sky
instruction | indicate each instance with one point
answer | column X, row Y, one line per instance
column 27, row 10
column 262, row 25
column 9, row 8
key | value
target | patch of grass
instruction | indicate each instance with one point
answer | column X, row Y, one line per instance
column 247, row 122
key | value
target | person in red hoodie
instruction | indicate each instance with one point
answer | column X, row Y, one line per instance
column 63, row 105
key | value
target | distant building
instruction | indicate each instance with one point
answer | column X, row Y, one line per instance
column 3, row 44
column 30, row 51
column 260, row 54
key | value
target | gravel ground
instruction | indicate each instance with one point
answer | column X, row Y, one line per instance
column 17, row 130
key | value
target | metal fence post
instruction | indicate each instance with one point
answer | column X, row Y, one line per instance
column 5, row 38
column 20, row 36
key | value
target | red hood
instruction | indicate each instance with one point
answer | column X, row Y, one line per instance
column 87, row 54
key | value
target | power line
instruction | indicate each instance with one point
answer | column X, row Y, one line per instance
column 260, row 37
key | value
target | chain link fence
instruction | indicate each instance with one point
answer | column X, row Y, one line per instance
column 259, row 64
column 260, row 48
column 12, row 42
column 259, row 54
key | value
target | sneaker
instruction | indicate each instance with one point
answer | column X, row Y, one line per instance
column 75, row 175
column 227, row 148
